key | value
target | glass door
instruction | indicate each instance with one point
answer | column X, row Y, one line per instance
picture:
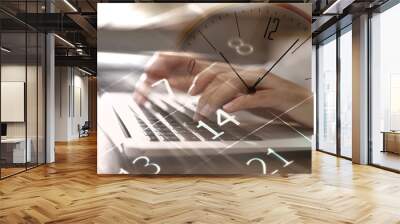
column 385, row 90
column 326, row 59
column 334, row 94
column 345, row 93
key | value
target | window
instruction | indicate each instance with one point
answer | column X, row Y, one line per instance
column 385, row 89
column 346, row 92
column 334, row 106
column 327, row 96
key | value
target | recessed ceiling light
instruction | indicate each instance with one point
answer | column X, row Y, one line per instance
column 65, row 41
column 84, row 71
column 70, row 5
column 337, row 7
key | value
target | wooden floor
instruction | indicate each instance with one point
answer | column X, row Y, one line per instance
column 69, row 191
column 387, row 159
column 5, row 172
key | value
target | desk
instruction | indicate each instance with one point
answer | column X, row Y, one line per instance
column 391, row 141
column 13, row 150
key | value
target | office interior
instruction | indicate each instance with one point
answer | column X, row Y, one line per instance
column 23, row 98
column 30, row 58
column 335, row 72
column 48, row 80
column 48, row 76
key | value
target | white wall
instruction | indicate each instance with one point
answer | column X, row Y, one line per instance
column 33, row 126
column 12, row 73
column 71, row 102
column 62, row 81
column 17, row 73
column 80, row 110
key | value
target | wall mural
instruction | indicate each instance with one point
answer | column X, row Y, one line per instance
column 216, row 88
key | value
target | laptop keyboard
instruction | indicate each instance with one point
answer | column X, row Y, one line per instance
column 172, row 121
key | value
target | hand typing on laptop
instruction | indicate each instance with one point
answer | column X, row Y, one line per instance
column 219, row 87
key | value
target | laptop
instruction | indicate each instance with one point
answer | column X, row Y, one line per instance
column 162, row 132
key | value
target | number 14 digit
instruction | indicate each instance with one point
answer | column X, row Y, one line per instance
column 228, row 118
column 222, row 118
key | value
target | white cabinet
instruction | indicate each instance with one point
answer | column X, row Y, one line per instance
column 19, row 155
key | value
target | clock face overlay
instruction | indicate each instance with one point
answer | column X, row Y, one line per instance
column 195, row 88
column 249, row 34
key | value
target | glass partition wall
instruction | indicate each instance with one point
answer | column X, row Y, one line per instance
column 327, row 95
column 334, row 93
column 22, row 88
column 385, row 89
column 345, row 93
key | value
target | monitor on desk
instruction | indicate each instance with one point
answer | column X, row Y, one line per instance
column 3, row 130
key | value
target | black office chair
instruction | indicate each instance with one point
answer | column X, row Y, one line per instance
column 84, row 130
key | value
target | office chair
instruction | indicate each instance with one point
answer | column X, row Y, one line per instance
column 84, row 130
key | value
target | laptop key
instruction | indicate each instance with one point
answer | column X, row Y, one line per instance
column 147, row 131
column 177, row 126
column 161, row 131
column 231, row 132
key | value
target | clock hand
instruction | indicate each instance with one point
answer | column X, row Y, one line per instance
column 302, row 43
column 237, row 24
column 253, row 88
column 234, row 70
column 225, row 59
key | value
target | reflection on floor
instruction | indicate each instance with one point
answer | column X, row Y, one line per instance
column 70, row 191
column 387, row 159
column 11, row 169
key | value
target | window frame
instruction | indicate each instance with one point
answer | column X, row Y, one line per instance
column 334, row 37
column 378, row 10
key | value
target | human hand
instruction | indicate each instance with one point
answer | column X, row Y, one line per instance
column 219, row 88
column 178, row 68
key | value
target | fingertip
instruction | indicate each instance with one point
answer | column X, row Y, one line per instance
column 139, row 98
column 196, row 117
column 229, row 107
column 236, row 104
column 205, row 110
column 191, row 90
